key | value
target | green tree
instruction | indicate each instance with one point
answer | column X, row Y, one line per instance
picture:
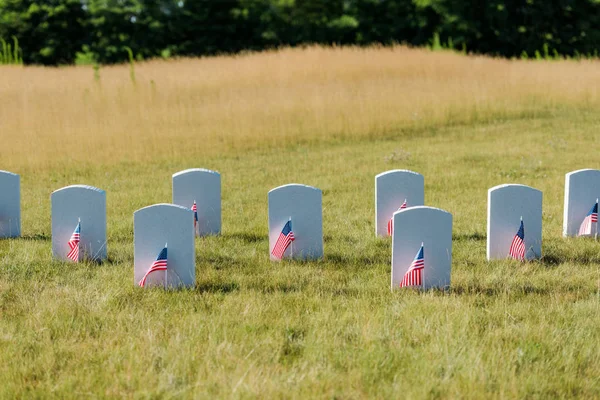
column 49, row 32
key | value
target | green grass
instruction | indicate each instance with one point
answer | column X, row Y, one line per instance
column 328, row 329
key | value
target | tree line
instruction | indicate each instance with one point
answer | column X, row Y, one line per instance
column 54, row 32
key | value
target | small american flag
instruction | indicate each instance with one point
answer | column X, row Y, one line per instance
column 591, row 218
column 159, row 265
column 390, row 226
column 195, row 210
column 74, row 244
column 286, row 237
column 517, row 247
column 414, row 275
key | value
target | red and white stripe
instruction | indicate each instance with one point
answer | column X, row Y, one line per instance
column 517, row 249
column 586, row 225
column 158, row 265
column 390, row 224
column 283, row 242
column 74, row 246
column 414, row 275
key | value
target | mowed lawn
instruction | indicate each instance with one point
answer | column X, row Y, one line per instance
column 327, row 329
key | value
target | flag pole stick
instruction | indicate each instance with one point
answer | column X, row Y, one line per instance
column 423, row 270
column 166, row 270
column 292, row 243
column 78, row 243
column 596, row 235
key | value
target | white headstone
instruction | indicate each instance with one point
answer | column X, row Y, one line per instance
column 155, row 226
column 10, row 205
column 582, row 188
column 506, row 205
column 432, row 227
column 71, row 204
column 204, row 187
column 303, row 205
column 391, row 189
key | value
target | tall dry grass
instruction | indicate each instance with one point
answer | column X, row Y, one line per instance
column 203, row 106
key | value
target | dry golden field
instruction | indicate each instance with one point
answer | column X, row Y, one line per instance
column 209, row 105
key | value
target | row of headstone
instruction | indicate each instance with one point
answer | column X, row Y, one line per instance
column 295, row 223
column 164, row 251
column 514, row 223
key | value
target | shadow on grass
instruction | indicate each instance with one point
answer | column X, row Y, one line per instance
column 278, row 287
column 217, row 287
column 37, row 236
column 552, row 260
column 496, row 291
column 352, row 260
column 247, row 237
column 477, row 236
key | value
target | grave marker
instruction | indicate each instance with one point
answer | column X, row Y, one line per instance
column 159, row 225
column 70, row 205
column 391, row 189
column 10, row 205
column 303, row 206
column 582, row 188
column 204, row 187
column 431, row 227
column 506, row 205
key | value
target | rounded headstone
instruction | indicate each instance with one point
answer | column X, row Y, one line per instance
column 506, row 205
column 204, row 187
column 431, row 227
column 71, row 204
column 10, row 205
column 582, row 188
column 303, row 205
column 391, row 189
column 157, row 225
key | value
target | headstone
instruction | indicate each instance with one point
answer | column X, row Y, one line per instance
column 302, row 205
column 153, row 228
column 204, row 187
column 391, row 189
column 582, row 188
column 79, row 203
column 506, row 205
column 10, row 205
column 431, row 227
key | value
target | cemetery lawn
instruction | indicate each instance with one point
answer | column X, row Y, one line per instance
column 328, row 329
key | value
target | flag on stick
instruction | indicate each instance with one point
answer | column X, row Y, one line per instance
column 591, row 218
column 414, row 275
column 74, row 243
column 390, row 226
column 517, row 247
column 286, row 237
column 159, row 265
column 195, row 210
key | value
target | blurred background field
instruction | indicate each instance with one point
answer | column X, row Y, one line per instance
column 167, row 109
column 328, row 117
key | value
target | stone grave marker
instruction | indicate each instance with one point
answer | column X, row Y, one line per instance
column 300, row 205
column 506, row 205
column 391, row 189
column 582, row 188
column 159, row 225
column 10, row 205
column 70, row 205
column 204, row 187
column 431, row 227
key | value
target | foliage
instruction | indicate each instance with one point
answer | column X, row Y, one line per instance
column 10, row 53
column 49, row 32
column 63, row 31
